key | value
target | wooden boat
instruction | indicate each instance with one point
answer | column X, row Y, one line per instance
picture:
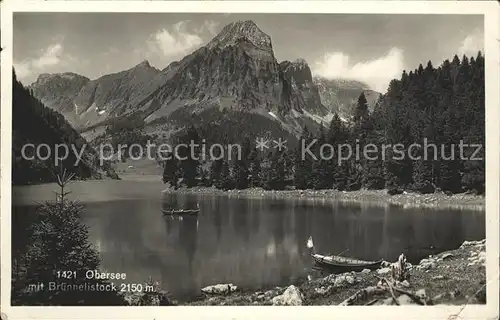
column 339, row 263
column 344, row 264
column 181, row 212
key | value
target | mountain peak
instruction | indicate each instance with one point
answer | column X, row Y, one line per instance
column 144, row 63
column 241, row 30
column 244, row 23
column 46, row 77
column 42, row 77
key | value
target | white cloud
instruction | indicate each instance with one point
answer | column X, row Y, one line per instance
column 472, row 44
column 377, row 73
column 22, row 70
column 175, row 42
column 111, row 51
column 209, row 26
column 48, row 58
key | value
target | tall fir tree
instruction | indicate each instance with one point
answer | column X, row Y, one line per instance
column 303, row 162
column 242, row 165
column 338, row 137
column 170, row 169
column 321, row 173
column 275, row 172
column 254, row 161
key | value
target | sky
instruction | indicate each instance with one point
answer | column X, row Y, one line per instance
column 373, row 48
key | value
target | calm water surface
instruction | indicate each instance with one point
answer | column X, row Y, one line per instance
column 252, row 243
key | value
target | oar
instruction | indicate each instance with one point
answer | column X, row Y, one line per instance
column 338, row 254
column 343, row 252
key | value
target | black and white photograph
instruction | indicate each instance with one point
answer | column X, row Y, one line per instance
column 249, row 159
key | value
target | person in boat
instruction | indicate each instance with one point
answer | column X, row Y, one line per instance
column 310, row 245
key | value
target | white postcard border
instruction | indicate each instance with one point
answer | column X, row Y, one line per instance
column 491, row 11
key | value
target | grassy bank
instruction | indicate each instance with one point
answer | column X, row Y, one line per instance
column 374, row 197
column 437, row 280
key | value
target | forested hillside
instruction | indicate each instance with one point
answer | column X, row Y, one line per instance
column 33, row 123
column 443, row 106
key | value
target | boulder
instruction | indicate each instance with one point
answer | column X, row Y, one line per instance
column 261, row 296
column 291, row 297
column 473, row 243
column 482, row 258
column 446, row 256
column 344, row 279
column 426, row 264
column 219, row 289
column 421, row 294
column 269, row 294
column 323, row 290
column 387, row 302
column 385, row 270
column 405, row 300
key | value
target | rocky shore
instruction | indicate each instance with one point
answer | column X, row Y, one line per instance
column 454, row 277
column 373, row 197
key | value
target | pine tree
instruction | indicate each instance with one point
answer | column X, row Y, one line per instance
column 170, row 170
column 362, row 128
column 242, row 165
column 397, row 168
column 215, row 172
column 303, row 164
column 450, row 165
column 275, row 172
column 361, row 112
column 423, row 131
column 254, row 169
column 60, row 242
column 373, row 166
column 189, row 157
column 321, row 173
column 474, row 170
column 226, row 181
column 337, row 136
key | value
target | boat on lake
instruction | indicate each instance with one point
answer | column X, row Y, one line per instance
column 181, row 211
column 340, row 263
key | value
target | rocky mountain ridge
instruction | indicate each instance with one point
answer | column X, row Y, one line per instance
column 236, row 70
column 58, row 91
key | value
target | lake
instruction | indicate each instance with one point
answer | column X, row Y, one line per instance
column 253, row 243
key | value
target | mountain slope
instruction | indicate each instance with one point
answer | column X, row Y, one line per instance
column 58, row 91
column 300, row 77
column 118, row 94
column 340, row 95
column 34, row 123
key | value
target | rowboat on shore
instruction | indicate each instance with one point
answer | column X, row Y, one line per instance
column 339, row 263
column 345, row 264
